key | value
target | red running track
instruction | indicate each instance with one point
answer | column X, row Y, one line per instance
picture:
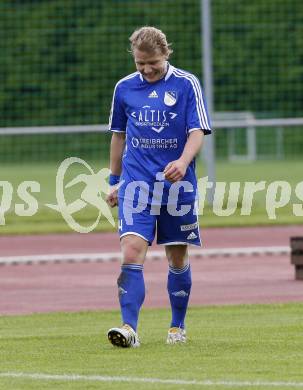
column 106, row 242
column 92, row 286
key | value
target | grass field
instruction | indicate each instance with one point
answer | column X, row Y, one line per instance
column 232, row 346
column 47, row 220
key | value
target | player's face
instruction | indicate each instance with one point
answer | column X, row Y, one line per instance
column 152, row 66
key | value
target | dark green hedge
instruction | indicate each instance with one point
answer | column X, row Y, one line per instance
column 59, row 60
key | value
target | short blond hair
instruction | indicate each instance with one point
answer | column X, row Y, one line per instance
column 151, row 40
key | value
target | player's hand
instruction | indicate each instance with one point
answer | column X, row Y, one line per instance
column 175, row 170
column 112, row 197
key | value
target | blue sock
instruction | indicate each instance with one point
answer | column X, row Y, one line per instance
column 178, row 287
column 131, row 293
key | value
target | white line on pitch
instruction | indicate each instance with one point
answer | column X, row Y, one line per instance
column 110, row 256
column 101, row 378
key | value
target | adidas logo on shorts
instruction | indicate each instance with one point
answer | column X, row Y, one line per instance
column 153, row 94
column 191, row 236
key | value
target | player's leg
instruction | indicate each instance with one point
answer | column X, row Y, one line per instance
column 135, row 239
column 130, row 282
column 178, row 286
column 176, row 232
column 131, row 291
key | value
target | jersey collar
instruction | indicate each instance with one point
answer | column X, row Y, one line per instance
column 169, row 72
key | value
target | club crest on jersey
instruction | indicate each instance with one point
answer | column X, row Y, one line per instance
column 170, row 98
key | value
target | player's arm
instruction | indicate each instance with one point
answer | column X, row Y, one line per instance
column 117, row 124
column 175, row 170
column 198, row 124
column 116, row 151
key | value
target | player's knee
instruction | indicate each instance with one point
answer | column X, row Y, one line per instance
column 177, row 256
column 131, row 256
column 133, row 250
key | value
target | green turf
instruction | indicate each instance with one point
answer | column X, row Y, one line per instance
column 48, row 221
column 229, row 343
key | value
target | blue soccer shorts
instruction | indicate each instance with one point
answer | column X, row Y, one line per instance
column 171, row 229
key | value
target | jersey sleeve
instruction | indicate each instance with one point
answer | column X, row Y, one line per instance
column 197, row 115
column 117, row 118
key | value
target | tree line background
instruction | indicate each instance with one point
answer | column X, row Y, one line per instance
column 59, row 60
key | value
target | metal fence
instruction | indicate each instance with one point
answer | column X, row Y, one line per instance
column 239, row 138
column 59, row 61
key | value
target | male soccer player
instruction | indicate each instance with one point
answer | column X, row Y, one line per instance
column 158, row 120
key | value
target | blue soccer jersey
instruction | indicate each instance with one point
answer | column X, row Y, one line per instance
column 157, row 118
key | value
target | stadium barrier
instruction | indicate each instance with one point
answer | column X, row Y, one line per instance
column 296, row 256
column 238, row 137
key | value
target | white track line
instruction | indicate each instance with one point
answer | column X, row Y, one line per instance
column 152, row 255
column 99, row 378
